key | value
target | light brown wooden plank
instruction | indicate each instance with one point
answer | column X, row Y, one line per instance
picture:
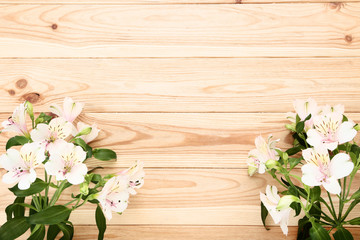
column 137, row 2
column 190, row 140
column 187, row 196
column 283, row 30
column 190, row 232
column 181, row 84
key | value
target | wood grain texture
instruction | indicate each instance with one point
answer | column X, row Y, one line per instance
column 150, row 2
column 129, row 232
column 183, row 140
column 272, row 30
column 188, row 197
column 180, row 84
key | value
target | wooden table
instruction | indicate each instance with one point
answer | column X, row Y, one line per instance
column 184, row 86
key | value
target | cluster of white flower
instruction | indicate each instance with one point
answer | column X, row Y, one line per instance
column 324, row 129
column 52, row 143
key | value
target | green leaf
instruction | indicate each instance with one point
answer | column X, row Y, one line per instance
column 294, row 162
column 342, row 234
column 264, row 214
column 80, row 142
column 104, row 154
column 43, row 118
column 16, row 141
column 315, row 193
column 15, row 210
column 304, row 226
column 316, row 212
column 293, row 151
column 100, row 222
column 307, row 118
column 50, row 216
column 38, row 234
column 14, row 228
column 356, row 195
column 355, row 221
column 345, row 119
column 299, row 140
column 297, row 207
column 53, row 231
column 300, row 127
column 68, row 231
column 317, row 232
column 35, row 187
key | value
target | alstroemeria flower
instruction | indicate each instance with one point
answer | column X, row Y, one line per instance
column 114, row 196
column 21, row 165
column 49, row 135
column 330, row 131
column 303, row 108
column 70, row 109
column 264, row 151
column 135, row 176
column 17, row 122
column 270, row 201
column 66, row 162
column 88, row 137
column 320, row 170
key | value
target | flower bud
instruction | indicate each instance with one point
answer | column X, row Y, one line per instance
column 84, row 188
column 270, row 164
column 85, row 131
column 285, row 202
column 291, row 127
column 252, row 170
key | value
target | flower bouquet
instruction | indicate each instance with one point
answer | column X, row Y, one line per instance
column 55, row 146
column 324, row 147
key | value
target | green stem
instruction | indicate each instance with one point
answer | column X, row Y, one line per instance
column 66, row 204
column 341, row 201
column 57, row 193
column 78, row 201
column 36, row 203
column 275, row 177
column 332, row 211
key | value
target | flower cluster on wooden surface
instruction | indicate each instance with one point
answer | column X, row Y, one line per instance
column 55, row 145
column 324, row 147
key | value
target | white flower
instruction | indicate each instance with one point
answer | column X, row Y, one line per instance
column 319, row 170
column 264, row 151
column 89, row 137
column 17, row 122
column 270, row 201
column 70, row 109
column 135, row 176
column 114, row 196
column 303, row 108
column 66, row 162
column 21, row 165
column 330, row 131
column 49, row 135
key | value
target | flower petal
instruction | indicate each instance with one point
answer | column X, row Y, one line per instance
column 77, row 173
column 310, row 175
column 341, row 166
column 346, row 132
column 71, row 109
column 27, row 179
column 313, row 138
column 40, row 133
column 10, row 177
column 11, row 159
column 332, row 186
